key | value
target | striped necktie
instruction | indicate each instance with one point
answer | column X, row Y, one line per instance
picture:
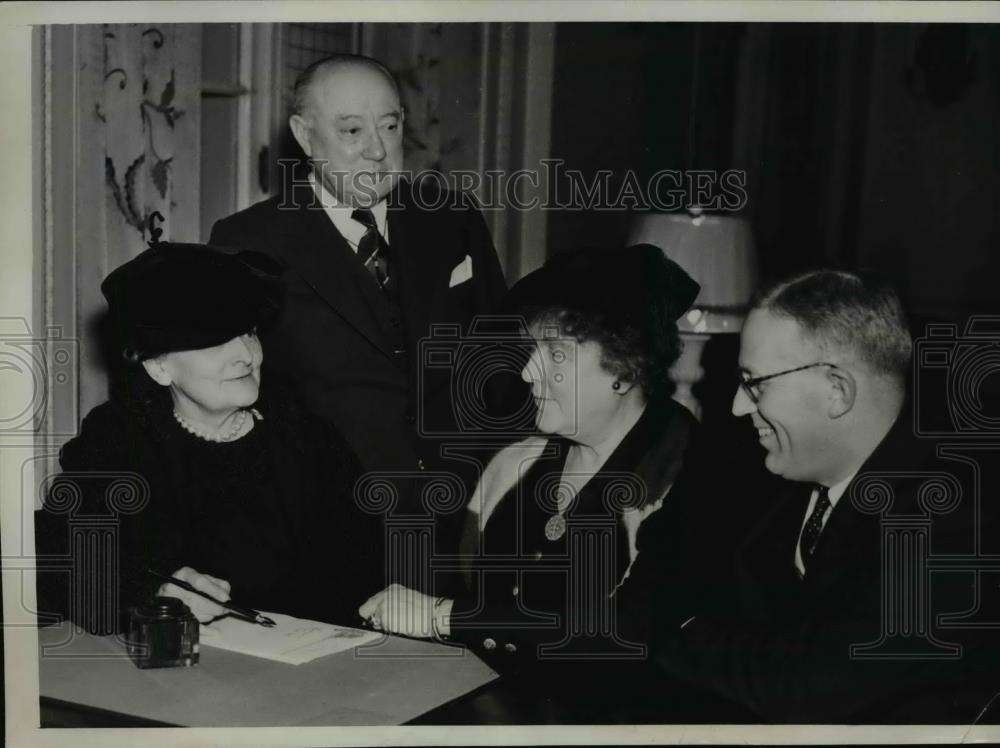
column 372, row 248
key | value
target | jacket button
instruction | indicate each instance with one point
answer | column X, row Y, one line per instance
column 510, row 647
column 538, row 555
column 515, row 590
column 410, row 418
column 489, row 643
column 420, row 465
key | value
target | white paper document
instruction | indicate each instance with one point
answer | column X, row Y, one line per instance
column 291, row 640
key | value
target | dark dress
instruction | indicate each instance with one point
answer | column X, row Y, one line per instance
column 272, row 512
column 555, row 604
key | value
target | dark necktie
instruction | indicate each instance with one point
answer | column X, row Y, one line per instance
column 372, row 249
column 814, row 525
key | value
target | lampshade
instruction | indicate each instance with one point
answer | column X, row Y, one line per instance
column 717, row 251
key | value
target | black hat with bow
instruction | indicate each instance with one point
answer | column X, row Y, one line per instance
column 175, row 297
column 636, row 285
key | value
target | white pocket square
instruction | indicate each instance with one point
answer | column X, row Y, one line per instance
column 461, row 273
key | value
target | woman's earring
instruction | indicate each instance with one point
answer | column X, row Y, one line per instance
column 616, row 385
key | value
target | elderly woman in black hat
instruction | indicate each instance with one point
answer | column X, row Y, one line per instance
column 558, row 512
column 234, row 488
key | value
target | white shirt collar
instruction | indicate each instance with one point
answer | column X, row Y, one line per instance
column 837, row 489
column 340, row 215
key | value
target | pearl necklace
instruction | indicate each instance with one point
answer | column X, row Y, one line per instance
column 229, row 436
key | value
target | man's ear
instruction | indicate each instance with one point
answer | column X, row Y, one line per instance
column 844, row 391
column 157, row 371
column 301, row 131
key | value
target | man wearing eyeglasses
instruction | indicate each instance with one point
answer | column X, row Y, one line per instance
column 832, row 618
column 818, row 420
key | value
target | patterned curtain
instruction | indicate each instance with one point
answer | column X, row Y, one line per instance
column 145, row 115
column 413, row 52
column 477, row 98
column 128, row 99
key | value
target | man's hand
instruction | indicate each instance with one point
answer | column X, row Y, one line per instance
column 204, row 610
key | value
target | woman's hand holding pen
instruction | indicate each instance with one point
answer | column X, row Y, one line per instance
column 204, row 610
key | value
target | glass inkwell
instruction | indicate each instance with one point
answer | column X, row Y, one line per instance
column 163, row 633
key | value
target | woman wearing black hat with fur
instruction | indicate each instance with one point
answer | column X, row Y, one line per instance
column 230, row 487
column 558, row 513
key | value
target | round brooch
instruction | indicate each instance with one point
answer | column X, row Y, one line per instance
column 555, row 528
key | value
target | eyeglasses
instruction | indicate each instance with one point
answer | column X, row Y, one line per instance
column 751, row 385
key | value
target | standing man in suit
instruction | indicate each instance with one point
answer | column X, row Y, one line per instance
column 374, row 262
column 807, row 630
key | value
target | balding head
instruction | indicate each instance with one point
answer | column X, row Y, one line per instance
column 349, row 122
column 302, row 89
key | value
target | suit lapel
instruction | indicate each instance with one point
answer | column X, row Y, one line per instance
column 419, row 284
column 767, row 559
column 850, row 534
column 840, row 536
column 317, row 252
column 326, row 263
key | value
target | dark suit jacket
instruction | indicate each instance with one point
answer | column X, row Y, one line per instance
column 782, row 646
column 334, row 339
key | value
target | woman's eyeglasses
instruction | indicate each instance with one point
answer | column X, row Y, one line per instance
column 751, row 385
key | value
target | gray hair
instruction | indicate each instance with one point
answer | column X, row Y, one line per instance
column 300, row 91
column 847, row 310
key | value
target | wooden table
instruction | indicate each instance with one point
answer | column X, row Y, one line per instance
column 87, row 680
